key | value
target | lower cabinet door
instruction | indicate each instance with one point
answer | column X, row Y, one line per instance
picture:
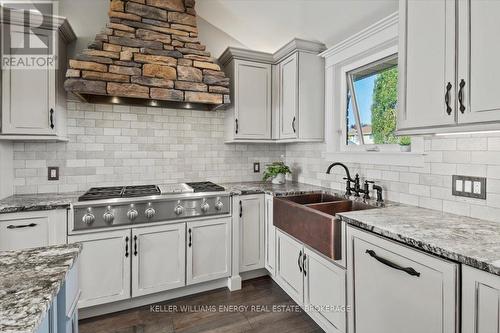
column 480, row 301
column 398, row 289
column 104, row 267
column 158, row 262
column 208, row 250
column 325, row 292
column 251, row 232
column 289, row 267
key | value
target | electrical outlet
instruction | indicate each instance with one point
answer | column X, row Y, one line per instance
column 469, row 187
column 53, row 173
column 256, row 167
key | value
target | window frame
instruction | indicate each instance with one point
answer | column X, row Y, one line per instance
column 345, row 69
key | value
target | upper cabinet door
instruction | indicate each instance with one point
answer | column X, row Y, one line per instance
column 253, row 100
column 158, row 261
column 28, row 95
column 478, row 56
column 426, row 63
column 289, row 97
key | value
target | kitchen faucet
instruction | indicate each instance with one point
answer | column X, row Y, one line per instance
column 357, row 186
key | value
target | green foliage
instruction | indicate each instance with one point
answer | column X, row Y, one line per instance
column 385, row 97
column 275, row 169
column 405, row 141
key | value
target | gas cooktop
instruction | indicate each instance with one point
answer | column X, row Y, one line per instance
column 113, row 192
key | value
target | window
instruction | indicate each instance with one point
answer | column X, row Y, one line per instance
column 371, row 106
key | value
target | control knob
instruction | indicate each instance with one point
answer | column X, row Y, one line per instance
column 219, row 205
column 205, row 206
column 150, row 212
column 179, row 209
column 88, row 218
column 108, row 216
column 132, row 213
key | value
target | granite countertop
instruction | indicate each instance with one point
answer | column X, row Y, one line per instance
column 35, row 202
column 290, row 188
column 466, row 240
column 29, row 282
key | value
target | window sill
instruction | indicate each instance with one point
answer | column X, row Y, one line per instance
column 412, row 159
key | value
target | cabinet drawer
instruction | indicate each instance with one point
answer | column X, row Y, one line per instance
column 397, row 289
column 19, row 233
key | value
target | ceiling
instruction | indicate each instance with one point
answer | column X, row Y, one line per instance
column 266, row 25
column 262, row 25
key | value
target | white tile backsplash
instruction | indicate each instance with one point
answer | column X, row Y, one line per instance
column 427, row 186
column 116, row 145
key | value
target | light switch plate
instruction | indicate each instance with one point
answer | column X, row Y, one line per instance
column 256, row 167
column 53, row 173
column 469, row 187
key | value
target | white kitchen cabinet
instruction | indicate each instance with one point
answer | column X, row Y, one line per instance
column 32, row 229
column 426, row 63
column 480, row 301
column 394, row 289
column 270, row 236
column 42, row 116
column 301, row 91
column 251, row 222
column 158, row 261
column 325, row 291
column 447, row 66
column 289, row 266
column 313, row 282
column 276, row 97
column 105, row 266
column 249, row 117
column 478, row 56
column 289, row 97
column 208, row 250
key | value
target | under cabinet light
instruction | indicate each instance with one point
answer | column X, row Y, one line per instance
column 466, row 133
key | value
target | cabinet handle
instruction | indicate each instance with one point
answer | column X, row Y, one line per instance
column 190, row 238
column 461, row 96
column 135, row 245
column 299, row 261
column 51, row 118
column 31, row 225
column 126, row 247
column 237, row 126
column 304, row 259
column 389, row 263
column 241, row 209
column 293, row 125
column 447, row 98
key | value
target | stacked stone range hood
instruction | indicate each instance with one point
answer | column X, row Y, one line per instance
column 149, row 54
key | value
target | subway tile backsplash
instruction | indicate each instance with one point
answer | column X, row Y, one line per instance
column 428, row 186
column 116, row 145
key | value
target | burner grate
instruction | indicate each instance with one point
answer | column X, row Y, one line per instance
column 113, row 192
column 206, row 187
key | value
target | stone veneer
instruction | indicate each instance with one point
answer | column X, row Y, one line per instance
column 149, row 50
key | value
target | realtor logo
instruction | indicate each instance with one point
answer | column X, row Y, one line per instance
column 28, row 35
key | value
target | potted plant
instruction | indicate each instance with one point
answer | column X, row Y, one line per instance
column 405, row 143
column 277, row 172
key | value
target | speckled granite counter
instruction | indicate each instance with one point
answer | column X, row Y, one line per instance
column 290, row 188
column 462, row 239
column 34, row 202
column 29, row 282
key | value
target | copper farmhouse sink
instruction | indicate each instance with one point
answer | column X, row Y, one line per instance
column 312, row 219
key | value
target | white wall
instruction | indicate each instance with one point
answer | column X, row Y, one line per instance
column 6, row 169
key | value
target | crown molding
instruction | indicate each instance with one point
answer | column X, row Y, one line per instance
column 298, row 45
column 388, row 23
column 59, row 23
column 244, row 54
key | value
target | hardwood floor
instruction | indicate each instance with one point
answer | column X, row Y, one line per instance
column 255, row 299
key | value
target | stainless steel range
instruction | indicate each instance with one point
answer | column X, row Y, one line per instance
column 104, row 207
